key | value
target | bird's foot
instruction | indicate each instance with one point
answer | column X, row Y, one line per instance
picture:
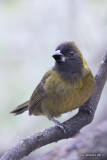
column 59, row 125
column 86, row 108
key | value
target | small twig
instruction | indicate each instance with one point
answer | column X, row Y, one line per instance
column 54, row 134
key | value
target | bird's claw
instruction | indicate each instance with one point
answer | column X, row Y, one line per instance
column 62, row 127
column 59, row 125
column 87, row 109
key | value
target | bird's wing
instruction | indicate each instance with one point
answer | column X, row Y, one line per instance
column 39, row 93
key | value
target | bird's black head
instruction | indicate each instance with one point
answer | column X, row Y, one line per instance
column 68, row 58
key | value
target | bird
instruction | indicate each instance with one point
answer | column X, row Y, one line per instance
column 68, row 85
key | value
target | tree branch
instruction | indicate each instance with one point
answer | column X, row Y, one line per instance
column 54, row 134
column 92, row 145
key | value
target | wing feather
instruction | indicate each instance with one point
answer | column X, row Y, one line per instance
column 39, row 94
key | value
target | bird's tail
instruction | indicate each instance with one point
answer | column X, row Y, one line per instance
column 20, row 109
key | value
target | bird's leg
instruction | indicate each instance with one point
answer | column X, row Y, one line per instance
column 59, row 125
column 86, row 108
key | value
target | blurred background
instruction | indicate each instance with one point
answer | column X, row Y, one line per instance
column 30, row 30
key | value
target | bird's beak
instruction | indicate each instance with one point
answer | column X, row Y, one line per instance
column 58, row 56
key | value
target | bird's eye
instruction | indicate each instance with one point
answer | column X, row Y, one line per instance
column 72, row 52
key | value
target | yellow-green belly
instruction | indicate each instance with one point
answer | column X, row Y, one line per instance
column 64, row 96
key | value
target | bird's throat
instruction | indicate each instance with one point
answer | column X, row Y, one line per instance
column 68, row 74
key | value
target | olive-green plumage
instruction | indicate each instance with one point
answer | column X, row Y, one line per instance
column 65, row 87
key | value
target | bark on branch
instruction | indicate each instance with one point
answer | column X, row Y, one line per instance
column 91, row 146
column 54, row 134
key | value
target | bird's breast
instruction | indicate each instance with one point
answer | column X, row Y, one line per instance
column 64, row 95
